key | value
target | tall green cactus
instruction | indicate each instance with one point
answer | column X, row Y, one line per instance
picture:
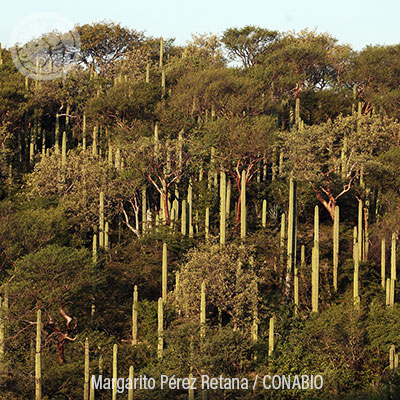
column 161, row 52
column 203, row 310
column 94, row 143
column 106, row 236
column 271, row 339
column 388, row 292
column 356, row 296
column 160, row 343
column 315, row 262
column 115, row 371
column 360, row 230
column 94, row 249
column 87, row 372
column 135, row 316
column 243, row 206
column 57, row 135
column 101, row 220
column 38, row 361
column 130, row 388
column 264, row 214
column 383, row 262
column 84, row 132
column 222, row 213
column 148, row 73
column 335, row 248
column 393, row 275
column 164, row 273
column 183, row 218
column 291, row 243
column 190, row 208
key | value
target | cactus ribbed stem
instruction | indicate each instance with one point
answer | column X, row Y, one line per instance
column 356, row 278
column 115, row 371
column 183, row 218
column 160, row 343
column 38, row 363
column 315, row 262
column 87, row 372
column 243, row 206
column 130, row 388
column 148, row 73
column 101, row 220
column 203, row 310
column 291, row 243
column 383, row 263
column 135, row 316
column 164, row 273
column 228, row 197
column 393, row 258
column 190, row 208
column 106, row 237
column 360, row 230
column 64, row 150
column 161, row 52
column 388, row 291
column 335, row 248
column 94, row 249
column 264, row 214
column 271, row 336
column 84, row 132
column 222, row 227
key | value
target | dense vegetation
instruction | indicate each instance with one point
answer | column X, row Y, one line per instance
column 158, row 203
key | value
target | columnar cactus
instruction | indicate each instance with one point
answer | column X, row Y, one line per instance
column 315, row 262
column 84, row 132
column 135, row 316
column 393, row 276
column 203, row 310
column 243, row 206
column 356, row 296
column 160, row 344
column 222, row 223
column 360, row 230
column 161, row 52
column 291, row 243
column 86, row 379
column 115, row 371
column 106, row 236
column 94, row 144
column 101, row 220
column 164, row 273
column 190, row 208
column 271, row 342
column 183, row 218
column 335, row 248
column 94, row 249
column 130, row 388
column 264, row 214
column 38, row 363
column 148, row 73
column 282, row 238
column 383, row 262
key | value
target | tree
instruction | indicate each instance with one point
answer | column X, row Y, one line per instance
column 229, row 276
column 55, row 279
column 105, row 43
column 248, row 43
column 376, row 73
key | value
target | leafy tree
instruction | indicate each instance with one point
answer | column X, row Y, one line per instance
column 248, row 43
column 105, row 43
